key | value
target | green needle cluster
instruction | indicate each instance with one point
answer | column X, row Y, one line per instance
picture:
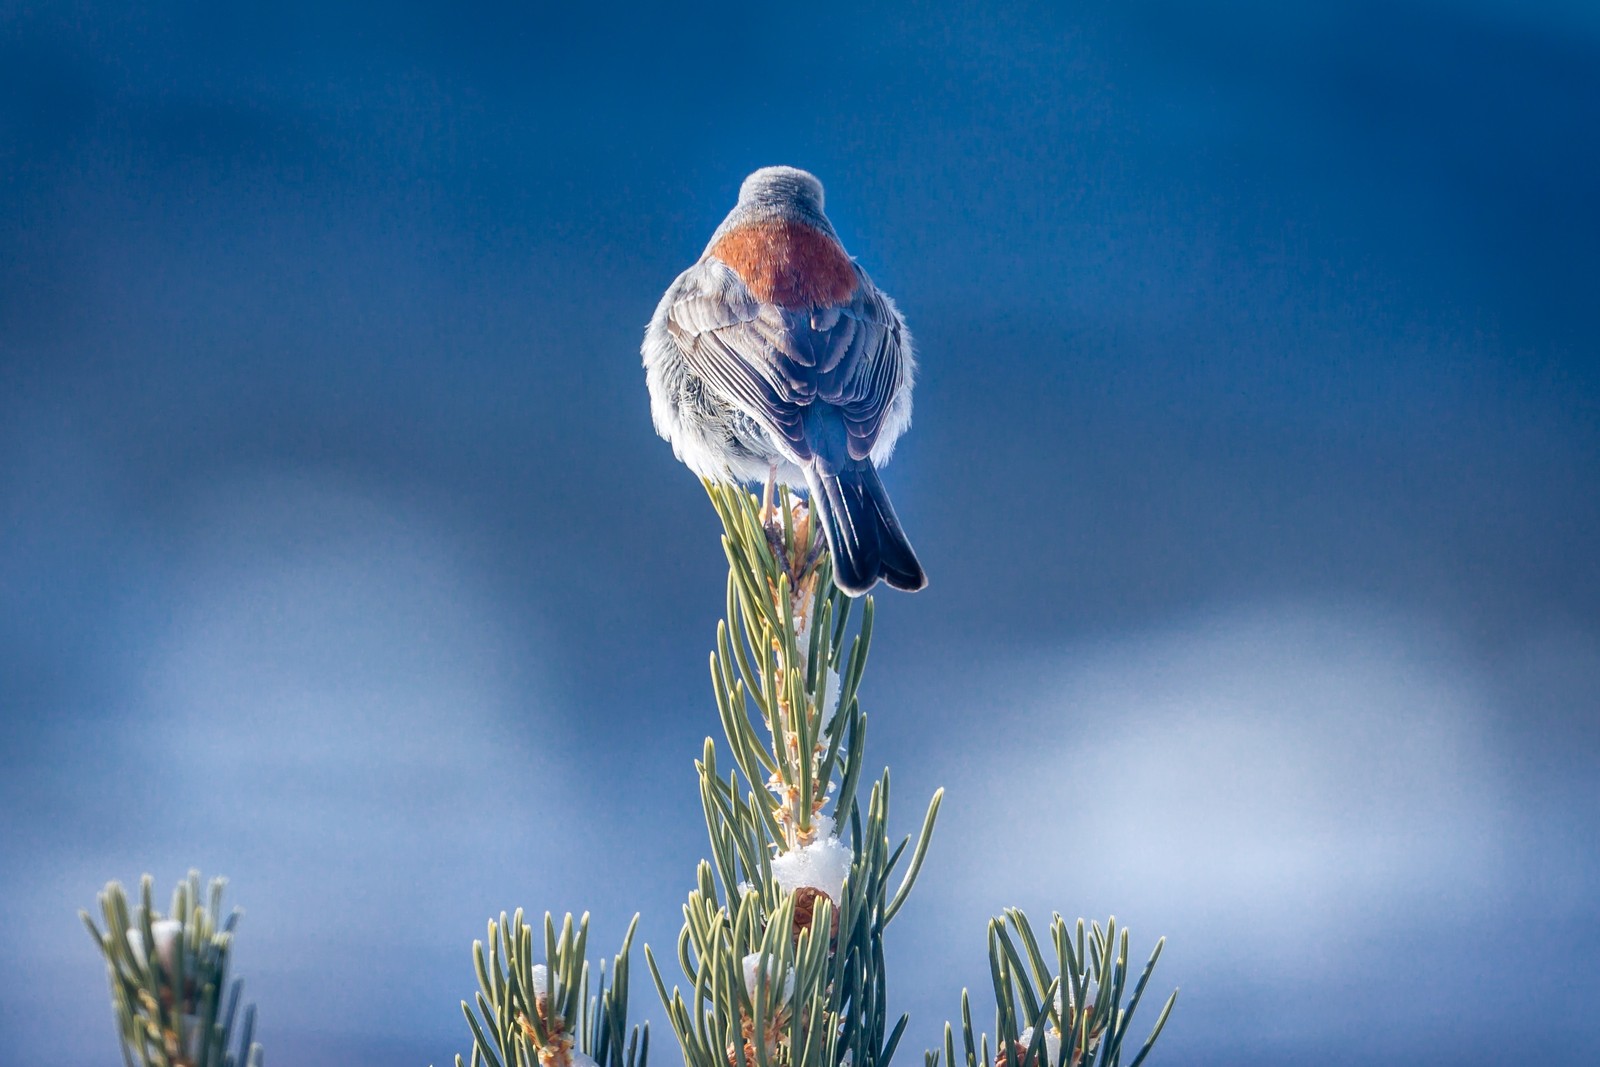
column 530, row 1012
column 1067, row 1015
column 170, row 993
column 784, row 966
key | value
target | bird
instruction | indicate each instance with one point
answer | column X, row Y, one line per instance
column 775, row 357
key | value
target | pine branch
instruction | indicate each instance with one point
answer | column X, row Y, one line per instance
column 530, row 1012
column 782, row 944
column 170, row 994
column 1065, row 1016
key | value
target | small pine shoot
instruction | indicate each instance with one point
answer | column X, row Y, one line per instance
column 170, row 994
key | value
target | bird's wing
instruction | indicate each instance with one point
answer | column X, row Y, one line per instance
column 773, row 363
column 744, row 349
column 867, row 364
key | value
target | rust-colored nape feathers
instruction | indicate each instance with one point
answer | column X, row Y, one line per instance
column 789, row 264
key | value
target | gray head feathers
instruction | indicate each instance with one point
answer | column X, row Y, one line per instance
column 777, row 193
column 782, row 187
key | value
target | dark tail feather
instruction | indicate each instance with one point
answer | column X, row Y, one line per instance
column 864, row 536
column 898, row 564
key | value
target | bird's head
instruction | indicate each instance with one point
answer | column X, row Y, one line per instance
column 776, row 195
column 782, row 187
column 782, row 192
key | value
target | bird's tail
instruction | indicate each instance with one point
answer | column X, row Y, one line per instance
column 864, row 536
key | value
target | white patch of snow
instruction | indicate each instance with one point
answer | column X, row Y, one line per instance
column 823, row 864
column 166, row 932
column 752, row 966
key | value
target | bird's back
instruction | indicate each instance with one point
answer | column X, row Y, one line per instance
column 788, row 263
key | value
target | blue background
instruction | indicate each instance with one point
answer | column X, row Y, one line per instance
column 1256, row 467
